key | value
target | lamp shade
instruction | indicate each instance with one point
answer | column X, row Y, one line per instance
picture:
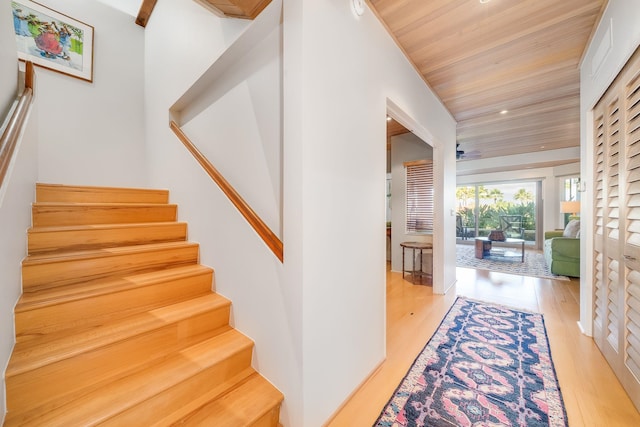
column 570, row 207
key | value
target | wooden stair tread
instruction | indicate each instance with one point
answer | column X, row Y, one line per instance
column 59, row 192
column 101, row 253
column 51, row 296
column 127, row 392
column 46, row 214
column 35, row 353
column 241, row 406
column 116, row 226
column 40, row 271
column 82, row 237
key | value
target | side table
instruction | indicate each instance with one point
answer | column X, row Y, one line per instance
column 416, row 246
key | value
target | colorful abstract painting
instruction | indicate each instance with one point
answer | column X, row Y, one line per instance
column 52, row 40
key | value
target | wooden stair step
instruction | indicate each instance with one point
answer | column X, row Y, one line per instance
column 51, row 270
column 82, row 237
column 91, row 194
column 47, row 214
column 73, row 365
column 91, row 303
column 145, row 394
column 51, row 348
column 255, row 402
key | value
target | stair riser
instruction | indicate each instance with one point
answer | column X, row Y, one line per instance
column 53, row 384
column 100, row 309
column 182, row 394
column 85, row 194
column 63, row 215
column 64, row 272
column 107, row 237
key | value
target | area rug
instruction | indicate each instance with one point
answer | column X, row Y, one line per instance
column 486, row 365
column 533, row 265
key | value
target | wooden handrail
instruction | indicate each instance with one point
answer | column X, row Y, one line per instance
column 10, row 135
column 268, row 236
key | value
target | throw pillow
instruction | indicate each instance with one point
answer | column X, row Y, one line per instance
column 572, row 229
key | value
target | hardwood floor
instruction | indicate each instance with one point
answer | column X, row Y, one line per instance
column 592, row 394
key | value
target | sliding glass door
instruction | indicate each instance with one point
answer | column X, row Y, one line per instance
column 508, row 206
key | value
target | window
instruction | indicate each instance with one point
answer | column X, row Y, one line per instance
column 419, row 196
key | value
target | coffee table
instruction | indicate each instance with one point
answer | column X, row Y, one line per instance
column 484, row 245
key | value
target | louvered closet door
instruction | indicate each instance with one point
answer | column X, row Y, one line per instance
column 607, row 252
column 630, row 377
column 599, row 294
column 616, row 258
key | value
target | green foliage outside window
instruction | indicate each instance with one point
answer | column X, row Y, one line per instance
column 492, row 206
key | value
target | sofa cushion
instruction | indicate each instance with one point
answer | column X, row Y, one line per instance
column 572, row 229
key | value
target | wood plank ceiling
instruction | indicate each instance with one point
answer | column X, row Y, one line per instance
column 518, row 56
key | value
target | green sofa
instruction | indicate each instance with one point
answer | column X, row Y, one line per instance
column 562, row 254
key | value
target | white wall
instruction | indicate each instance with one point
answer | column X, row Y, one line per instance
column 241, row 134
column 93, row 133
column 8, row 61
column 335, row 109
column 405, row 148
column 617, row 37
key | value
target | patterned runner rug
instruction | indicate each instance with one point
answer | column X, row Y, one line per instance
column 533, row 265
column 486, row 365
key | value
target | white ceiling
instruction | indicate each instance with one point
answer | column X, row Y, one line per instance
column 130, row 7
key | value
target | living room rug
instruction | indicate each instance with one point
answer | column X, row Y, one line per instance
column 533, row 265
column 486, row 365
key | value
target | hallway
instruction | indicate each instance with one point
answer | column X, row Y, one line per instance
column 591, row 392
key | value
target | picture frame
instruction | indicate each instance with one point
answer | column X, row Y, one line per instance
column 53, row 40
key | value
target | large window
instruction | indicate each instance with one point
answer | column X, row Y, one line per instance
column 509, row 206
column 419, row 196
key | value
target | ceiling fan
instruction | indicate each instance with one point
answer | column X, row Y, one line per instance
column 462, row 155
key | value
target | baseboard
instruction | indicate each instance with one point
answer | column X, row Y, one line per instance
column 354, row 392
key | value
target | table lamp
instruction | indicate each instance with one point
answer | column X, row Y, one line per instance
column 570, row 207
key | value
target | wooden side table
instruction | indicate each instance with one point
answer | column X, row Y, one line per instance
column 416, row 246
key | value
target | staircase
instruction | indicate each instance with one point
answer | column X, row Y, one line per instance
column 117, row 324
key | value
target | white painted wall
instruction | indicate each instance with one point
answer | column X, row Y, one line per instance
column 8, row 61
column 93, row 133
column 405, row 148
column 347, row 69
column 242, row 135
column 617, row 37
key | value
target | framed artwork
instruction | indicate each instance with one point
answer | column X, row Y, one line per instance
column 52, row 40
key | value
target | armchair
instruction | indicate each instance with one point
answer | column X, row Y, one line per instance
column 562, row 250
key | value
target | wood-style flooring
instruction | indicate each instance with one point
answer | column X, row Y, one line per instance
column 592, row 394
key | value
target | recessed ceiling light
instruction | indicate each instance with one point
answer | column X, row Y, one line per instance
column 542, row 147
column 388, row 118
column 504, row 111
column 484, row 1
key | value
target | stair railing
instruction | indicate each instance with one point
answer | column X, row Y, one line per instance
column 268, row 236
column 10, row 135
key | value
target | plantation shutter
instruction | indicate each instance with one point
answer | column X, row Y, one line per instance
column 598, row 257
column 616, row 259
column 419, row 202
column 613, row 224
column 632, row 242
